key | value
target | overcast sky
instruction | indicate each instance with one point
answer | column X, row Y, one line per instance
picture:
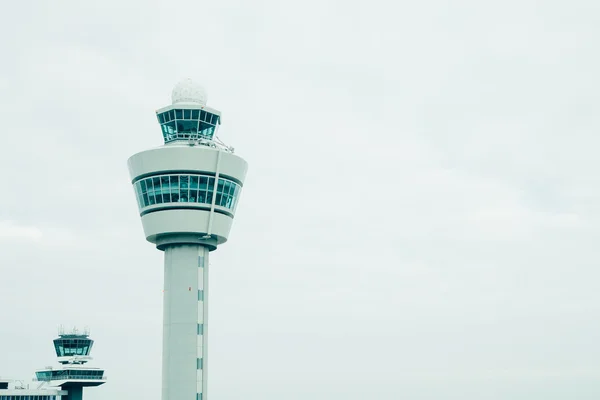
column 419, row 216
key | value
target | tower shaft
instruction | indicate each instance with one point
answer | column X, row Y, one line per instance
column 74, row 392
column 185, row 325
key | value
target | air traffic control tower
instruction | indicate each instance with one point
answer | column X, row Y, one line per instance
column 187, row 191
column 73, row 352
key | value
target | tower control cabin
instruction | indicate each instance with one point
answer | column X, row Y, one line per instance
column 187, row 192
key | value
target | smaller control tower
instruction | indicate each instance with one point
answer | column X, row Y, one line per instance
column 73, row 352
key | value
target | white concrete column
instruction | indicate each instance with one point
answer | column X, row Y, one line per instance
column 202, row 338
column 184, row 328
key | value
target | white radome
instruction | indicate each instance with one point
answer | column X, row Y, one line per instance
column 188, row 91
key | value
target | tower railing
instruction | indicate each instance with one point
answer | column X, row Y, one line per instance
column 71, row 376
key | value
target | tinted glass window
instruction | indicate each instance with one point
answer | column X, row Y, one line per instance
column 184, row 188
column 187, row 127
column 207, row 131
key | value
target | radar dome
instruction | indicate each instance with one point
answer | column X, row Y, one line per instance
column 187, row 91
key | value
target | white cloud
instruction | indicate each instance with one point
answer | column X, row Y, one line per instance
column 10, row 231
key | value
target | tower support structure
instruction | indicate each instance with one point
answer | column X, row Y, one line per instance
column 185, row 322
column 187, row 193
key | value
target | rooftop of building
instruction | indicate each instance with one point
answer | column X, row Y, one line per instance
column 33, row 392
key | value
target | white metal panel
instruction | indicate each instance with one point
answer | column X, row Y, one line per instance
column 200, row 312
column 186, row 158
column 185, row 221
column 199, row 379
column 199, row 347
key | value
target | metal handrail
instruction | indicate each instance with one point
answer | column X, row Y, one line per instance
column 65, row 377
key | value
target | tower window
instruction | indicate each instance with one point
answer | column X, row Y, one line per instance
column 184, row 188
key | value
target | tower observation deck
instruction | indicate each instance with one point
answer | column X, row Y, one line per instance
column 187, row 192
